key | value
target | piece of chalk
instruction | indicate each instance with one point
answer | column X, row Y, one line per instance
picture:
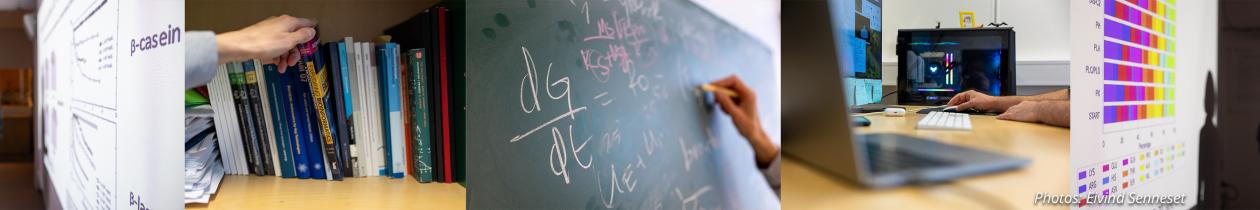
column 713, row 88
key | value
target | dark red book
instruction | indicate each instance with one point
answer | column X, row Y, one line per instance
column 445, row 85
column 405, row 87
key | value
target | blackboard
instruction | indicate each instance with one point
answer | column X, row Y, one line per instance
column 595, row 104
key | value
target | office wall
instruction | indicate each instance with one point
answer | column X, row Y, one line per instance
column 1041, row 29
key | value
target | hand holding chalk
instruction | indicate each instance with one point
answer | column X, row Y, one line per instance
column 740, row 102
column 714, row 88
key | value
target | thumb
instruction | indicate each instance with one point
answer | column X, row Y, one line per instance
column 966, row 105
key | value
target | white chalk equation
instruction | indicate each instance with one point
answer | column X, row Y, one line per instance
column 558, row 158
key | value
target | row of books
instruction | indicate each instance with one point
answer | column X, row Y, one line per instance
column 348, row 109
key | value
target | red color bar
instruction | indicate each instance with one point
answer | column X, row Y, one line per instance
column 1122, row 72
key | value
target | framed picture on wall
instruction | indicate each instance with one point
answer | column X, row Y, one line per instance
column 966, row 19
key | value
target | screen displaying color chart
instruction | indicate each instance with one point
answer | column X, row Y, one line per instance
column 1126, row 134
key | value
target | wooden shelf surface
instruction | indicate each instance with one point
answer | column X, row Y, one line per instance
column 270, row 192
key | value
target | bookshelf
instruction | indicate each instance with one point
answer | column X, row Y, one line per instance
column 269, row 192
column 363, row 20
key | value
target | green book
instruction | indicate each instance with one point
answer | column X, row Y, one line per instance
column 423, row 161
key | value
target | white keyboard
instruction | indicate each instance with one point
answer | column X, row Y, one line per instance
column 945, row 121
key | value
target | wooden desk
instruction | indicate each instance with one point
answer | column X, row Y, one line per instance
column 270, row 192
column 805, row 187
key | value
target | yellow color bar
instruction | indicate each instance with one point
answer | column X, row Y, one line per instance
column 1159, row 43
column 1159, row 9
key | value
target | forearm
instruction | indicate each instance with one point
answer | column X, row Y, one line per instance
column 231, row 49
column 1061, row 94
column 201, row 62
column 1055, row 112
column 1057, row 95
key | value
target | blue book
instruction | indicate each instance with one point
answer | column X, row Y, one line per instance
column 382, row 76
column 326, row 106
column 399, row 141
column 279, row 120
column 390, row 108
column 293, row 98
column 347, row 110
column 313, row 145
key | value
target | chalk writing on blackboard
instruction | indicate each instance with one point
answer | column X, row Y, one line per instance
column 560, row 148
column 691, row 201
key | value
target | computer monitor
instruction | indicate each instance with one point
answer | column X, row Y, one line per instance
column 858, row 34
column 935, row 64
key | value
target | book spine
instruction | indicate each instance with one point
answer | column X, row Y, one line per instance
column 353, row 108
column 435, row 92
column 317, row 74
column 258, row 119
column 279, row 119
column 404, row 95
column 336, row 105
column 347, row 110
column 299, row 126
column 378, row 136
column 399, row 163
column 263, row 113
column 221, row 100
column 382, row 111
column 359, row 142
column 422, row 162
column 446, row 119
column 314, row 140
column 383, row 75
column 264, row 100
column 241, row 98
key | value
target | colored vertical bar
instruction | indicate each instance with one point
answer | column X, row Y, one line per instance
column 1109, row 114
column 1115, row 30
column 1109, row 93
column 1122, row 11
column 1111, row 50
column 1138, row 54
column 1110, row 71
column 1141, row 111
column 1133, row 113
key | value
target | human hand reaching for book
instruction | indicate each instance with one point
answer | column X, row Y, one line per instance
column 272, row 40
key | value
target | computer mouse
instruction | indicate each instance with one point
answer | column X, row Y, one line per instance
column 894, row 112
column 861, row 121
column 950, row 109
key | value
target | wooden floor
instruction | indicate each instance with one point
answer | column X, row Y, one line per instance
column 270, row 192
column 17, row 186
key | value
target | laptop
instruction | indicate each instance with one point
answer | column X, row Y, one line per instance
column 818, row 130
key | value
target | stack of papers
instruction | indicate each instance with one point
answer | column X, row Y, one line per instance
column 203, row 168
